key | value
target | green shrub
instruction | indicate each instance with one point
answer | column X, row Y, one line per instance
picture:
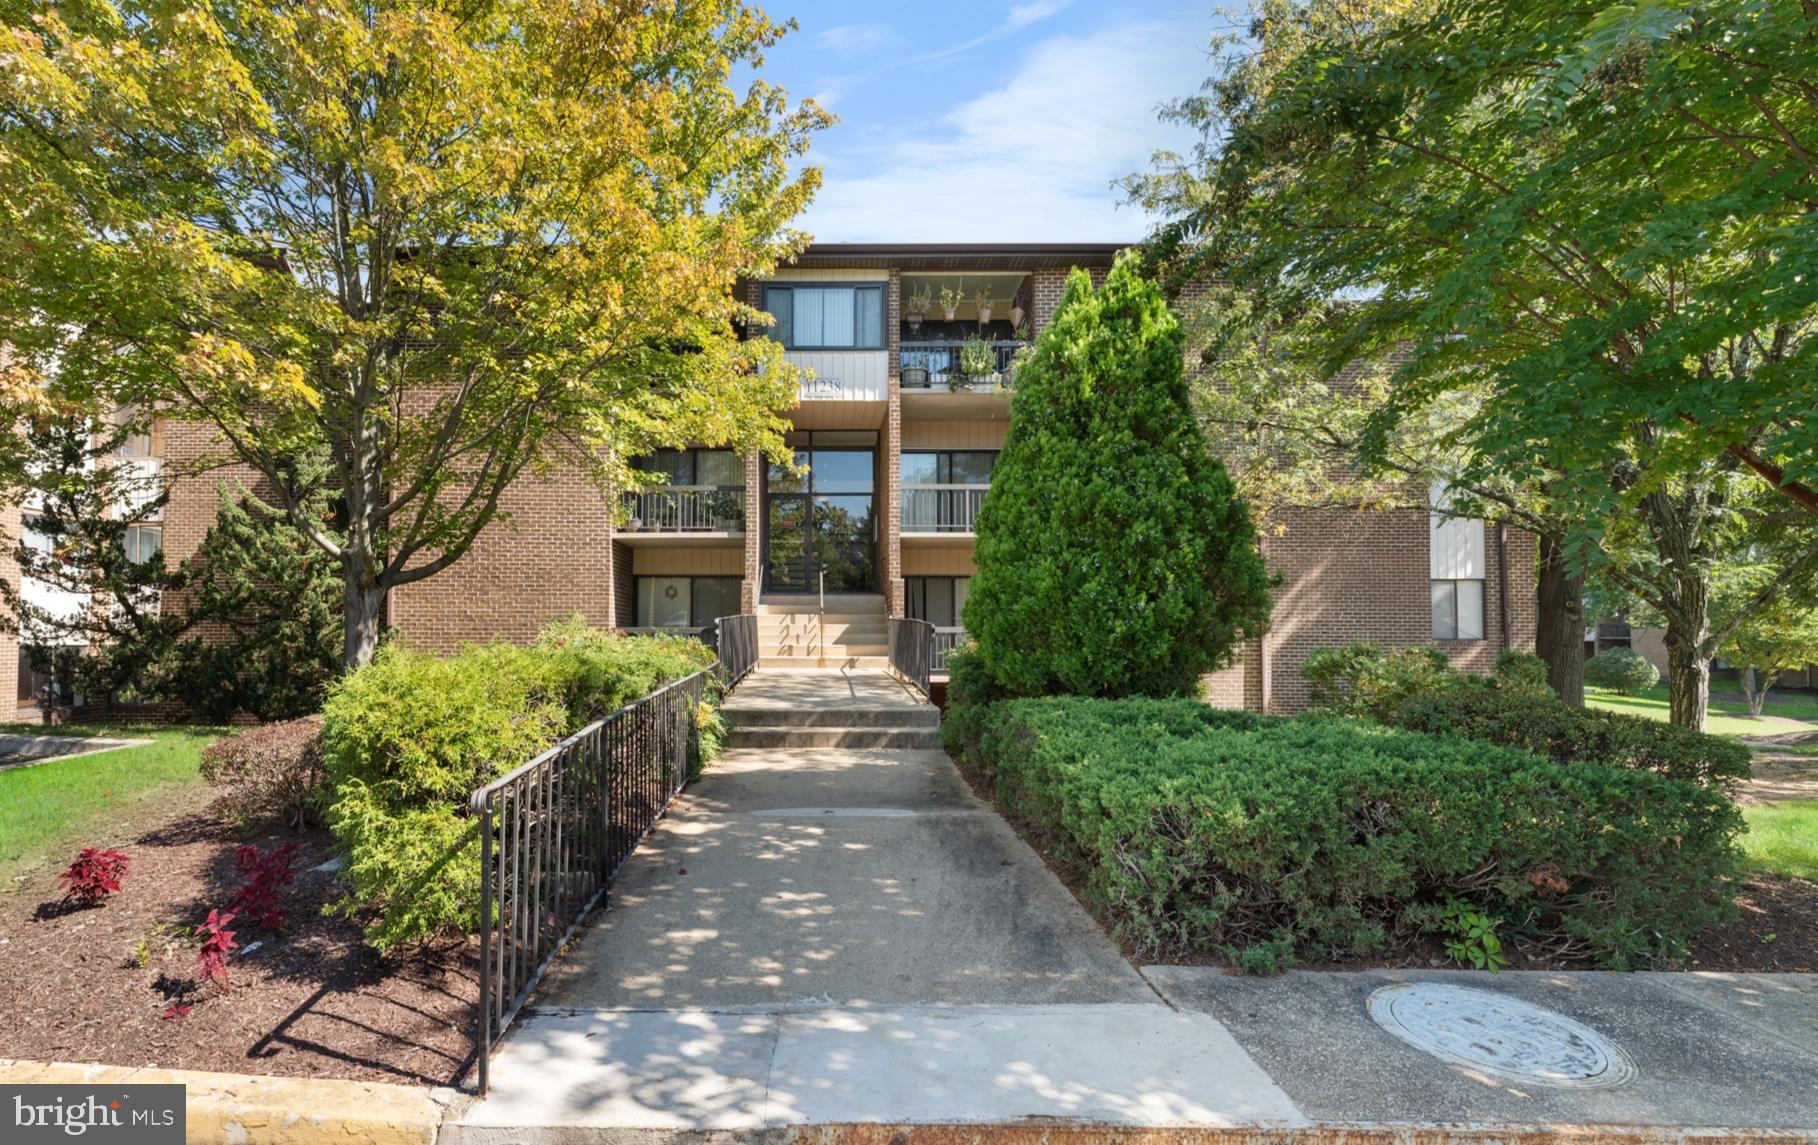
column 1362, row 680
column 1114, row 555
column 410, row 736
column 270, row 773
column 1564, row 734
column 1523, row 673
column 1314, row 837
column 1621, row 670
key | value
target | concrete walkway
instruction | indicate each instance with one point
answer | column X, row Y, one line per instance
column 832, row 935
column 836, row 944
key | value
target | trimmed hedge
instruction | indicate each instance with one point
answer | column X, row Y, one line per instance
column 1316, row 837
column 410, row 736
column 1564, row 734
column 1621, row 670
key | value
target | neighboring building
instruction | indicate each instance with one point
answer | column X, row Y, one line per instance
column 899, row 436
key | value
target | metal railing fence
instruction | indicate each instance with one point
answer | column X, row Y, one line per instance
column 554, row 832
column 911, row 644
column 942, row 508
column 685, row 509
column 736, row 641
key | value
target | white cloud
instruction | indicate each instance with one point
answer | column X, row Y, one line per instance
column 856, row 39
column 1030, row 161
column 1020, row 17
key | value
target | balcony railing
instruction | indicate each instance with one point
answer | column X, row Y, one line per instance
column 946, row 639
column 936, row 366
column 942, row 508
column 685, row 509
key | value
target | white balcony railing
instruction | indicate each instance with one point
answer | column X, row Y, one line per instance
column 685, row 509
column 942, row 508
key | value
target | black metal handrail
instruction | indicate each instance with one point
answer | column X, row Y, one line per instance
column 938, row 363
column 736, row 641
column 555, row 831
column 912, row 650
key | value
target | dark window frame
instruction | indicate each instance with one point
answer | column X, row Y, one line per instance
column 916, row 588
column 1457, row 636
column 946, row 460
column 693, row 453
column 781, row 331
column 692, row 578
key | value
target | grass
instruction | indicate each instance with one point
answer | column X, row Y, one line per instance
column 1783, row 839
column 49, row 808
column 1726, row 717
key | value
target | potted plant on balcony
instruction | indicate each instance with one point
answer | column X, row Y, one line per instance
column 916, row 306
column 951, row 297
column 977, row 363
column 983, row 299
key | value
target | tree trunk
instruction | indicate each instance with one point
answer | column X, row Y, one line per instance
column 363, row 610
column 1688, row 679
column 1559, row 623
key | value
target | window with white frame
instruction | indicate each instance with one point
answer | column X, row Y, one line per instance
column 827, row 317
column 144, row 542
column 1455, row 558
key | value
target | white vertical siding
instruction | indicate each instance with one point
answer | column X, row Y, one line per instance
column 844, row 375
column 1455, row 545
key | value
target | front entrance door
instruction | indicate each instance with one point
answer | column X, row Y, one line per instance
column 822, row 522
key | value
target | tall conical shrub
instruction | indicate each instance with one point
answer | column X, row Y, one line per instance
column 1114, row 558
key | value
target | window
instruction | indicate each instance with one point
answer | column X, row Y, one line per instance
column 827, row 317
column 144, row 542
column 1455, row 565
column 940, row 600
column 720, row 467
column 33, row 536
column 685, row 601
column 1457, row 609
column 949, row 467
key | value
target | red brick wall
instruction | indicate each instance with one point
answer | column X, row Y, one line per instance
column 552, row 558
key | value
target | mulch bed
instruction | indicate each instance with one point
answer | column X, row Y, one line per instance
column 310, row 1000
column 1775, row 928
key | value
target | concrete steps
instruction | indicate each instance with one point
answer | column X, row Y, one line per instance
column 793, row 631
column 837, row 713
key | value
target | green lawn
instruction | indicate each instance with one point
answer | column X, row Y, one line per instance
column 53, row 807
column 1783, row 839
column 1726, row 717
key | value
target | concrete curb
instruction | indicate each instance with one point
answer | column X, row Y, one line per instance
column 233, row 1109
column 1056, row 1133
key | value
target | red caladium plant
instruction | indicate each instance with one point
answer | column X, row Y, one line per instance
column 217, row 943
column 266, row 877
column 93, row 876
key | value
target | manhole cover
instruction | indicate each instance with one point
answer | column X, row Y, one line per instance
column 1501, row 1036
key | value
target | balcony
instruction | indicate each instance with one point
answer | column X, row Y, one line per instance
column 946, row 639
column 942, row 510
column 936, row 366
column 684, row 511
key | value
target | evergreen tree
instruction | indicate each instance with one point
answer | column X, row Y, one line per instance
column 1114, row 557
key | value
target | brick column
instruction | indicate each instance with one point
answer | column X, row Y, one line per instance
column 892, row 557
column 754, row 532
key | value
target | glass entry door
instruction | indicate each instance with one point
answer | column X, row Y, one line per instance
column 823, row 521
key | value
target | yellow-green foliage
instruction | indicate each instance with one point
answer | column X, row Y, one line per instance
column 410, row 736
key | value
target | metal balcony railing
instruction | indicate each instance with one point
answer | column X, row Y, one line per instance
column 946, row 639
column 942, row 508
column 685, row 509
column 936, row 366
column 911, row 647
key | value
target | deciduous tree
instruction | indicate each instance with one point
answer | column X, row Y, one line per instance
column 445, row 247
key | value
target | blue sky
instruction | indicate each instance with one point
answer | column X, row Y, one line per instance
column 978, row 122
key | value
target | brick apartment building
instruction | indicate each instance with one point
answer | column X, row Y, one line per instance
column 912, row 352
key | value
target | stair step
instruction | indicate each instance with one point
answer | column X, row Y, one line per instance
column 812, row 660
column 923, row 716
column 871, row 737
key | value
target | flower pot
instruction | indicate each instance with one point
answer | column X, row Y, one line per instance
column 949, row 311
column 1016, row 316
column 915, row 322
column 984, row 316
column 915, row 377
